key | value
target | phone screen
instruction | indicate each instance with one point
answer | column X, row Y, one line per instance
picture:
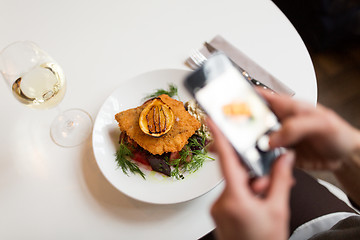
column 236, row 108
column 241, row 114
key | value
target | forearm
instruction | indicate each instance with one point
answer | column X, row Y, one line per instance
column 349, row 174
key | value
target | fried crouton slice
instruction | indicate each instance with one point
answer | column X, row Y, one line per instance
column 184, row 127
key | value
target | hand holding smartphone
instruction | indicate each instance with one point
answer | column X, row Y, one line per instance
column 238, row 110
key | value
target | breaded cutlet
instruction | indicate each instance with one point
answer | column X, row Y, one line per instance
column 184, row 127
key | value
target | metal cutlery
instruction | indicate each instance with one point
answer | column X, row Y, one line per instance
column 198, row 58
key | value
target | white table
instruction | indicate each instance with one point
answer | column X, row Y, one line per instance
column 49, row 192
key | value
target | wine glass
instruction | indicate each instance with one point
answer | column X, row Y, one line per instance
column 37, row 81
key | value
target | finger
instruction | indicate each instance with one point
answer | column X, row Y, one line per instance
column 284, row 106
column 234, row 173
column 260, row 185
column 281, row 180
column 295, row 129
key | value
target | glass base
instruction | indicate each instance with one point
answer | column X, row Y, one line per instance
column 71, row 128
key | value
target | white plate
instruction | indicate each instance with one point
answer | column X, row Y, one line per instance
column 156, row 188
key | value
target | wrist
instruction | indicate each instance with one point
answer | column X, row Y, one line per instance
column 349, row 156
column 349, row 165
column 353, row 159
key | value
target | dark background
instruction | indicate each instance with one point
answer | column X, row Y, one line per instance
column 330, row 30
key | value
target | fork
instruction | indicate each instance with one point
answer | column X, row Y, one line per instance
column 199, row 59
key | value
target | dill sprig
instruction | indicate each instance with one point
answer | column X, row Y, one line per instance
column 198, row 156
column 179, row 164
column 122, row 155
column 198, row 159
column 171, row 92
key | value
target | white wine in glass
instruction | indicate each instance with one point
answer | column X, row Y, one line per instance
column 37, row 81
column 41, row 87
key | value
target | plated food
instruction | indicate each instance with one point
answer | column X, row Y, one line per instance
column 164, row 135
column 157, row 188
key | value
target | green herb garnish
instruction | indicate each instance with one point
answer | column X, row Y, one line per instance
column 171, row 92
column 122, row 155
column 198, row 157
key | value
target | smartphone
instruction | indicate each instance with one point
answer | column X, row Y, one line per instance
column 233, row 104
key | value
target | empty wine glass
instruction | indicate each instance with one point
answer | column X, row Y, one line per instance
column 37, row 81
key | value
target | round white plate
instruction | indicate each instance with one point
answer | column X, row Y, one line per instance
column 157, row 188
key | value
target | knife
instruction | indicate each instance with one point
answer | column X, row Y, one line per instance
column 255, row 82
